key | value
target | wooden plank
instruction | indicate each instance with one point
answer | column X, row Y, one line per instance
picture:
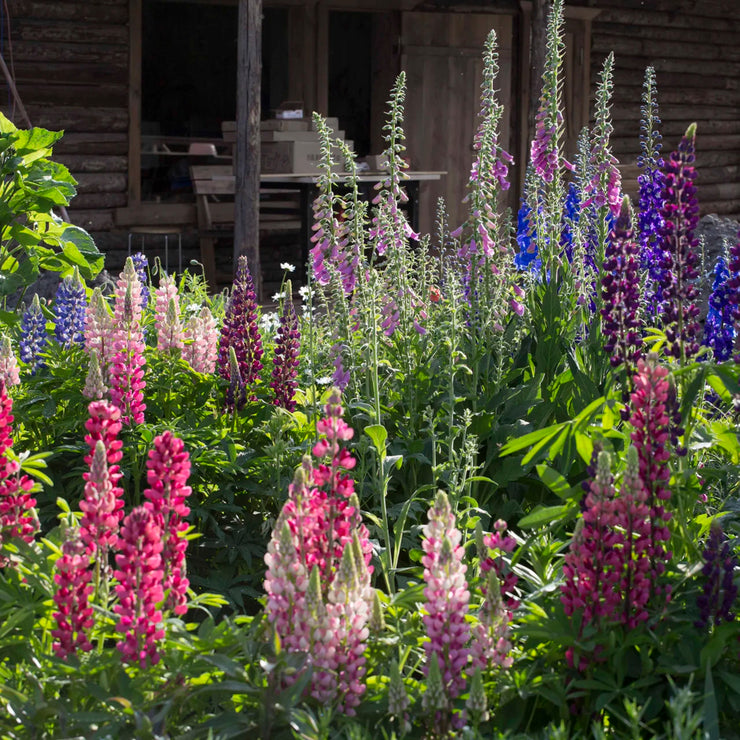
column 75, row 72
column 99, row 200
column 645, row 17
column 688, row 97
column 322, row 58
column 92, row 220
column 721, row 37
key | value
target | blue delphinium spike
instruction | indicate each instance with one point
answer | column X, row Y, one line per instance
column 719, row 330
column 141, row 265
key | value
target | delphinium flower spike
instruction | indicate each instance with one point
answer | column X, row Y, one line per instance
column 168, row 468
column 680, row 218
column 70, row 307
column 650, row 209
column 719, row 327
column 447, row 598
column 18, row 518
column 9, row 370
column 620, row 294
column 287, row 352
column 127, row 380
column 33, row 336
column 139, row 590
column 240, row 329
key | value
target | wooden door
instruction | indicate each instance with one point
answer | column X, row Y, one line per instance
column 442, row 57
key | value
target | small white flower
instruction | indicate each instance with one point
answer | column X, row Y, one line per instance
column 193, row 308
column 304, row 292
column 323, row 380
column 278, row 297
column 287, row 267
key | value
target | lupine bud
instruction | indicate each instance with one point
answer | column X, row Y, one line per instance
column 9, row 370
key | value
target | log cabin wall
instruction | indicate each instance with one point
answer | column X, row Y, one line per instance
column 70, row 61
column 693, row 45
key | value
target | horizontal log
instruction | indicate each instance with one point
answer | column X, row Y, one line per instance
column 109, row 96
column 100, row 200
column 32, row 30
column 644, row 17
column 730, row 208
column 679, row 112
column 627, row 77
column 93, row 220
column 115, row 12
column 723, row 37
column 76, row 72
column 688, row 97
column 706, row 8
column 92, row 144
column 56, row 52
column 109, row 182
column 705, row 144
column 631, row 46
column 79, row 119
column 156, row 214
column 91, row 163
column 719, row 191
column 664, row 64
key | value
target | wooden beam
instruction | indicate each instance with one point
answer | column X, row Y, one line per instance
column 247, row 156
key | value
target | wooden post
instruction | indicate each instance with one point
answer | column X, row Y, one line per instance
column 247, row 155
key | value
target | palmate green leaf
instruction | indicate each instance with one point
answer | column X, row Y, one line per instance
column 517, row 444
column 556, row 482
column 378, row 434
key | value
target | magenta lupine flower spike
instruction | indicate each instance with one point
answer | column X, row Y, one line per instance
column 201, row 342
column 18, row 518
column 101, row 506
column 447, row 598
column 167, row 316
column 620, row 293
column 240, row 329
column 74, row 613
column 9, row 370
column 652, row 432
column 680, row 219
column 168, row 468
column 591, row 567
column 139, row 575
column 127, row 371
column 719, row 591
column 287, row 352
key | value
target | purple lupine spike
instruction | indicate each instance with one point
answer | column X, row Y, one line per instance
column 240, row 329
column 141, row 265
column 287, row 351
column 33, row 336
column 620, row 293
column 681, row 216
column 719, row 591
column 70, row 307
column 719, row 329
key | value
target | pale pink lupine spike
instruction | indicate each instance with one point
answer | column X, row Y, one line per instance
column 95, row 387
column 9, row 370
column 447, row 597
column 167, row 316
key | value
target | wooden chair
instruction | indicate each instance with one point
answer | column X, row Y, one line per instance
column 214, row 187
